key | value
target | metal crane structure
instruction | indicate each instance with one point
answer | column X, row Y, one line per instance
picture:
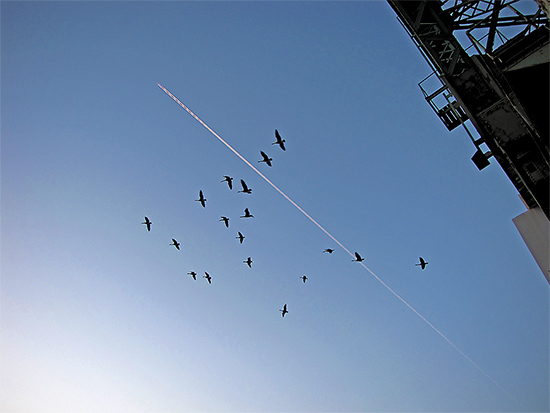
column 490, row 63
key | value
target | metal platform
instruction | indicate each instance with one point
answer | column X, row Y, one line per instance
column 491, row 61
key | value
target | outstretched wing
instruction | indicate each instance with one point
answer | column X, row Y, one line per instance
column 266, row 159
column 279, row 140
column 147, row 223
column 201, row 199
column 422, row 263
column 229, row 180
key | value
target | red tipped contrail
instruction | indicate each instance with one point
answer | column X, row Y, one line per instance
column 332, row 237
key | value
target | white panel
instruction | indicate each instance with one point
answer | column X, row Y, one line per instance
column 534, row 228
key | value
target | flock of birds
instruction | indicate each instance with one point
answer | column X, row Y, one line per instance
column 246, row 190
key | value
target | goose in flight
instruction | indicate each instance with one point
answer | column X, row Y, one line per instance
column 266, row 158
column 208, row 277
column 304, row 278
column 225, row 221
column 280, row 142
column 358, row 257
column 229, row 181
column 248, row 262
column 246, row 189
column 175, row 244
column 284, row 310
column 329, row 250
column 240, row 237
column 201, row 199
column 422, row 263
column 247, row 214
column 193, row 274
column 148, row 223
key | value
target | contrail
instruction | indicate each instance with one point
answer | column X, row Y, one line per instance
column 254, row 168
column 334, row 239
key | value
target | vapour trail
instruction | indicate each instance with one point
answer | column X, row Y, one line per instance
column 437, row 330
column 334, row 239
column 254, row 168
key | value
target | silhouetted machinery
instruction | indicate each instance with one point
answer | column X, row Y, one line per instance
column 490, row 62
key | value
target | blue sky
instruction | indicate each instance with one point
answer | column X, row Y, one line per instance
column 97, row 314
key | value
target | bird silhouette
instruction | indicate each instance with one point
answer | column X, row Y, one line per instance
column 358, row 257
column 201, row 199
column 148, row 223
column 208, row 277
column 266, row 158
column 229, row 181
column 280, row 142
column 175, row 244
column 284, row 310
column 240, row 237
column 329, row 250
column 193, row 274
column 422, row 263
column 225, row 221
column 304, row 278
column 246, row 189
column 247, row 214
column 248, row 262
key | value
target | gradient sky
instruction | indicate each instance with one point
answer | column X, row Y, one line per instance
column 97, row 314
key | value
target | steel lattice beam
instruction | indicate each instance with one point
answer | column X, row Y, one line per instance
column 497, row 88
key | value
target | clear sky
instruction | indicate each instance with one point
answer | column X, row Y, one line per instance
column 98, row 314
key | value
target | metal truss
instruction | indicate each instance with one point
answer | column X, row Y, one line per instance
column 491, row 23
column 481, row 88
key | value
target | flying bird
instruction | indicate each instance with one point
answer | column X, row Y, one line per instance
column 229, row 181
column 148, row 223
column 358, row 257
column 304, row 278
column 266, row 158
column 284, row 310
column 422, row 263
column 248, row 262
column 208, row 277
column 175, row 244
column 246, row 189
column 225, row 221
column 240, row 237
column 201, row 199
column 193, row 274
column 329, row 250
column 280, row 142
column 247, row 214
